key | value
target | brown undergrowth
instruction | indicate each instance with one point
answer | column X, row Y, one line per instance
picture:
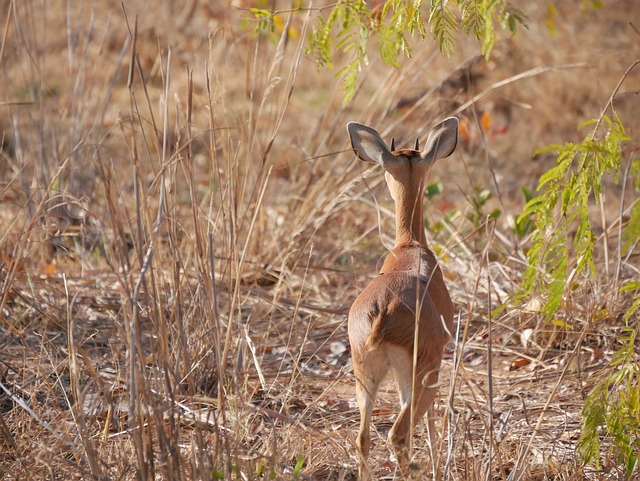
column 183, row 229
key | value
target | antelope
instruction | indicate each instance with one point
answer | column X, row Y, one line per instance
column 402, row 320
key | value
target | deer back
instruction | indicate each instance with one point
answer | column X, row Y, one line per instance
column 409, row 288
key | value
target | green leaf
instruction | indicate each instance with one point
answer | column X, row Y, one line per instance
column 265, row 19
column 443, row 25
column 526, row 193
column 562, row 324
column 433, row 189
column 298, row 469
column 532, row 207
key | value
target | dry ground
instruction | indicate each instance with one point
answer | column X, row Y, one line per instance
column 183, row 229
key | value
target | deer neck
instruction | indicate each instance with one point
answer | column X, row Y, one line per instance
column 409, row 214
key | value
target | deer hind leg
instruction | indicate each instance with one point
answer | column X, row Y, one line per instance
column 369, row 371
column 431, row 382
column 424, row 391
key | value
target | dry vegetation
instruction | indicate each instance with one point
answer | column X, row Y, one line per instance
column 183, row 229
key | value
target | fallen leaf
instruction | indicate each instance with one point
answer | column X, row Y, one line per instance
column 526, row 337
column 50, row 269
column 518, row 363
column 485, row 122
column 337, row 347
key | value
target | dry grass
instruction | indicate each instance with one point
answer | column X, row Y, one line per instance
column 183, row 229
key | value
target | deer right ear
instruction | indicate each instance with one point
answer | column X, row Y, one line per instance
column 442, row 140
column 368, row 145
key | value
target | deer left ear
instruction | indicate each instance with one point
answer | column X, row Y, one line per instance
column 442, row 141
column 368, row 145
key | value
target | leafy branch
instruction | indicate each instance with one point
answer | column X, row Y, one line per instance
column 566, row 190
column 353, row 25
column 612, row 409
column 350, row 26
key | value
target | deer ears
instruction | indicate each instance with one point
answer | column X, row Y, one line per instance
column 369, row 146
